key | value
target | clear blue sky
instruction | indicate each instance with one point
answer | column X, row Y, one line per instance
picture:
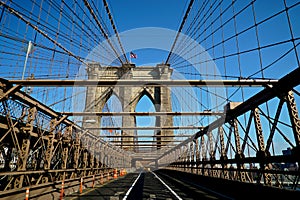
column 243, row 57
column 135, row 14
column 132, row 14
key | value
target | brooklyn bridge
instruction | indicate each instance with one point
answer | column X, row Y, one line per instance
column 103, row 99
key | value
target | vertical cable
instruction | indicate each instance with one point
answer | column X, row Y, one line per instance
column 260, row 56
column 223, row 49
column 238, row 52
column 291, row 32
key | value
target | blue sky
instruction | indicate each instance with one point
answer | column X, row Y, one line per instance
column 134, row 14
column 155, row 13
column 233, row 56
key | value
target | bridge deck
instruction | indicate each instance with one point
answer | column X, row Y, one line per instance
column 146, row 185
column 168, row 185
column 211, row 108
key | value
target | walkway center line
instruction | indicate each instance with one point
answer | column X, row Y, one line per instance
column 172, row 191
column 128, row 192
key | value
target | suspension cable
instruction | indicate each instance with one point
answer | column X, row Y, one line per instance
column 115, row 29
column 14, row 12
column 86, row 3
column 180, row 29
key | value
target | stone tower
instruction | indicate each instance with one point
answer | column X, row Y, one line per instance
column 129, row 96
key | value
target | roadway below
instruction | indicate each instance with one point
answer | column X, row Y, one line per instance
column 146, row 186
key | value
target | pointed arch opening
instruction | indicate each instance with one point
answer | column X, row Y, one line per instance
column 113, row 104
column 145, row 141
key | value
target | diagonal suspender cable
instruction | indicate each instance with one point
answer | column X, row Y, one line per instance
column 14, row 12
column 180, row 29
column 86, row 3
column 115, row 29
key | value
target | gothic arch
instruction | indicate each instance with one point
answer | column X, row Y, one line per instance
column 116, row 104
column 140, row 95
column 129, row 96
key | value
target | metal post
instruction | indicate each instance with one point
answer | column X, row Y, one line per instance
column 29, row 48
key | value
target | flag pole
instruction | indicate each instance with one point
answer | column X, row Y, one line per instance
column 27, row 54
column 129, row 58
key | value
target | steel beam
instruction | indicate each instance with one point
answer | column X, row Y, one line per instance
column 204, row 113
column 141, row 136
column 147, row 128
column 145, row 145
column 139, row 83
column 285, row 84
column 28, row 100
column 144, row 141
column 10, row 91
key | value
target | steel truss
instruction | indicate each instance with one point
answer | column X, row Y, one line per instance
column 219, row 151
column 41, row 148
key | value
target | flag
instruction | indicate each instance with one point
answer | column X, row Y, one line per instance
column 133, row 55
